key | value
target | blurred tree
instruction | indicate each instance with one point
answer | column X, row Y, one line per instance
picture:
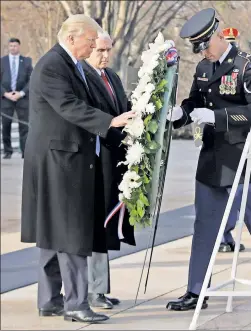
column 127, row 21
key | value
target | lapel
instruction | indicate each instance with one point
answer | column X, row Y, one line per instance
column 225, row 67
column 69, row 61
column 98, row 82
column 7, row 66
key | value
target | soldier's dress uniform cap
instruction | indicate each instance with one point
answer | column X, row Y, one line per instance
column 200, row 28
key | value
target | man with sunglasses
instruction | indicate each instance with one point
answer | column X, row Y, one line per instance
column 220, row 98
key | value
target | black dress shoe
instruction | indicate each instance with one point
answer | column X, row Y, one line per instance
column 86, row 316
column 55, row 311
column 114, row 301
column 99, row 301
column 242, row 247
column 226, row 248
column 186, row 302
column 7, row 156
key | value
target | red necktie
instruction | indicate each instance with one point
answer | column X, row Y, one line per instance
column 105, row 80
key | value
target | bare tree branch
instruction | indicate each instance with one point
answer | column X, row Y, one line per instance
column 105, row 20
column 170, row 18
column 121, row 22
column 87, row 6
column 66, row 7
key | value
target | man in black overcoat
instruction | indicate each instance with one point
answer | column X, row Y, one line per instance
column 15, row 76
column 60, row 170
column 109, row 96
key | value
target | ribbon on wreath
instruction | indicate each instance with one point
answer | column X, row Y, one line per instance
column 120, row 206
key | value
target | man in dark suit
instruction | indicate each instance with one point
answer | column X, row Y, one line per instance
column 15, row 76
column 220, row 98
column 60, row 170
column 109, row 95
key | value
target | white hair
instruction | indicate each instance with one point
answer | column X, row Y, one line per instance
column 104, row 35
column 75, row 25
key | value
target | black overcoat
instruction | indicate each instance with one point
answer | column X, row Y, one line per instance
column 112, row 152
column 59, row 163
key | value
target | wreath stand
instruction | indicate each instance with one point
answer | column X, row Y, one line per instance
column 213, row 291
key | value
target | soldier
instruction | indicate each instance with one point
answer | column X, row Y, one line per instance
column 220, row 97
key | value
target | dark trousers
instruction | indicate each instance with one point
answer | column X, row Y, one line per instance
column 22, row 115
column 56, row 268
column 210, row 204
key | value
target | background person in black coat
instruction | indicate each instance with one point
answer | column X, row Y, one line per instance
column 109, row 96
column 60, row 170
column 15, row 76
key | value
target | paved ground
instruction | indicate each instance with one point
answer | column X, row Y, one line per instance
column 168, row 275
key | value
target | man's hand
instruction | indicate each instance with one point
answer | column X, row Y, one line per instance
column 177, row 113
column 17, row 95
column 122, row 119
column 10, row 96
column 202, row 115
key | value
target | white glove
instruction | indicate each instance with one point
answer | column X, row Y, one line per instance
column 177, row 113
column 202, row 115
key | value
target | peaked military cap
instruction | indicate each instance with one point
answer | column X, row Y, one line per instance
column 200, row 28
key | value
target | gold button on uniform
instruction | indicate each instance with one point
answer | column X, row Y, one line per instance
column 91, row 166
column 210, row 104
column 209, row 90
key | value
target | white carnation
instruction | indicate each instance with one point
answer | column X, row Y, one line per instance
column 150, row 108
column 134, row 154
column 135, row 127
column 121, row 196
column 159, row 39
column 149, row 88
column 129, row 182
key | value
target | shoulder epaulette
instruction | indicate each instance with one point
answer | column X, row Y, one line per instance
column 245, row 55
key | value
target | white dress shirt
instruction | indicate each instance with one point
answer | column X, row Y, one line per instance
column 69, row 53
column 16, row 59
column 225, row 54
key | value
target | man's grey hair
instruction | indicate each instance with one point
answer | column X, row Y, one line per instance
column 75, row 25
column 104, row 35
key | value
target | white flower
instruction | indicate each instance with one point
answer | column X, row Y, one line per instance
column 159, row 39
column 134, row 154
column 150, row 108
column 149, row 88
column 121, row 196
column 135, row 127
column 141, row 71
column 147, row 55
column 144, row 80
column 137, row 93
column 129, row 182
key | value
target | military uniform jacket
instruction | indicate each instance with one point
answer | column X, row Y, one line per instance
column 227, row 92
